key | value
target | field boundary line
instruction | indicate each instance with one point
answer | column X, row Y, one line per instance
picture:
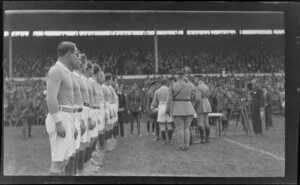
column 254, row 149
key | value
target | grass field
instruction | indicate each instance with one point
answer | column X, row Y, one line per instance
column 236, row 155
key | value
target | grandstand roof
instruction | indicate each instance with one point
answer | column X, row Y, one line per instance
column 141, row 20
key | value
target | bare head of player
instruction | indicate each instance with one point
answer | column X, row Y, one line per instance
column 89, row 69
column 68, row 53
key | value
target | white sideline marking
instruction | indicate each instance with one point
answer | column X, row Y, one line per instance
column 254, row 149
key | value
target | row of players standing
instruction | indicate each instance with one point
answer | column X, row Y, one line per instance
column 82, row 119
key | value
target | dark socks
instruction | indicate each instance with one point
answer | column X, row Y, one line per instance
column 106, row 135
column 223, row 124
column 191, row 138
column 68, row 167
column 102, row 143
column 201, row 131
column 148, row 126
column 72, row 165
column 170, row 134
column 75, row 164
column 80, row 160
column 86, row 156
column 163, row 134
column 153, row 126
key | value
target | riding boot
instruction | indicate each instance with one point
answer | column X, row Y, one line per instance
column 201, row 131
column 207, row 134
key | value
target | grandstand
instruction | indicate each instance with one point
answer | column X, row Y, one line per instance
column 207, row 42
column 145, row 44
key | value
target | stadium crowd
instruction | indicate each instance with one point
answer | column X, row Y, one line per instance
column 14, row 92
column 204, row 54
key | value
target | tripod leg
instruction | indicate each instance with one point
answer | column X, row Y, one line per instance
column 244, row 122
column 237, row 119
column 247, row 121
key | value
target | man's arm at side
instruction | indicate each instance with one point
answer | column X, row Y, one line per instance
column 169, row 101
column 53, row 84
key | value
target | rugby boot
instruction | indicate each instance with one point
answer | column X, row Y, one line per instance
column 206, row 134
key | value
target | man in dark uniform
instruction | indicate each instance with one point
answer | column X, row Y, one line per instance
column 268, row 109
column 257, row 107
column 121, row 112
column 27, row 114
column 134, row 107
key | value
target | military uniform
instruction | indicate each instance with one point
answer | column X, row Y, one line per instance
column 202, row 108
column 121, row 115
column 134, row 104
column 179, row 105
column 268, row 110
column 224, row 106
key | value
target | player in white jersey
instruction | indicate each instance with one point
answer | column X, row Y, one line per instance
column 109, row 112
column 84, row 139
column 101, row 149
column 98, row 104
column 96, row 107
column 88, row 167
column 80, row 96
column 115, row 107
column 71, row 168
column 105, row 136
column 60, row 100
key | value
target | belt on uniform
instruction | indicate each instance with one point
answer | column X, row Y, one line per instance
column 95, row 107
column 182, row 100
column 86, row 104
column 69, row 110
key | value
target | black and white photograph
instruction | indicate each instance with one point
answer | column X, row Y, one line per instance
column 156, row 93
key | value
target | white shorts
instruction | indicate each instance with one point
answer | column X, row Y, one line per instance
column 61, row 148
column 162, row 117
column 77, row 125
column 93, row 115
column 102, row 118
column 84, row 116
column 108, row 113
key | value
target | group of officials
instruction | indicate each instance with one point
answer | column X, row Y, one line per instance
column 172, row 105
column 83, row 113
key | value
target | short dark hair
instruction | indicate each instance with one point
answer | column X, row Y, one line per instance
column 64, row 47
column 83, row 58
column 96, row 69
column 114, row 77
column 108, row 76
column 164, row 81
column 89, row 65
column 180, row 73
